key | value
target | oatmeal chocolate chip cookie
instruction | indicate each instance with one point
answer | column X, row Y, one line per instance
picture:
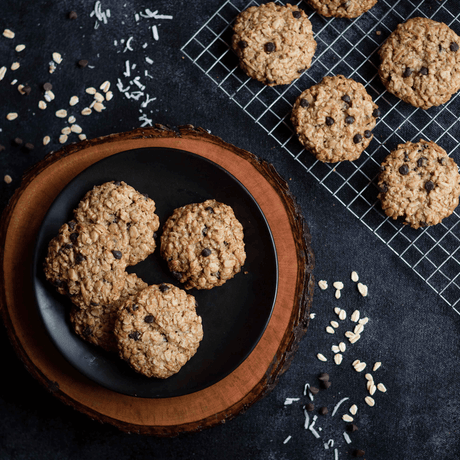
column 275, row 43
column 87, row 263
column 125, row 213
column 158, row 331
column 420, row 62
column 342, row 8
column 96, row 323
column 334, row 119
column 203, row 244
column 420, row 183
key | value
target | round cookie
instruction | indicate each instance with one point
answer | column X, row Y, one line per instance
column 124, row 212
column 274, row 43
column 420, row 183
column 87, row 263
column 95, row 324
column 158, row 331
column 334, row 119
column 420, row 62
column 340, row 8
column 203, row 244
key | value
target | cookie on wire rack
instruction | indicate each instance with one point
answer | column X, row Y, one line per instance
column 342, row 9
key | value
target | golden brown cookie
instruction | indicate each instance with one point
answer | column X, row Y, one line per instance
column 342, row 8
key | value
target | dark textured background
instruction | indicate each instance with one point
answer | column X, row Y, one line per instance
column 411, row 330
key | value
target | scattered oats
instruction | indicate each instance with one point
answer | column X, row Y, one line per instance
column 72, row 119
column 61, row 113
column 91, row 90
column 49, row 95
column 337, row 310
column 372, row 389
column 7, row 33
column 342, row 347
column 369, row 401
column 338, row 359
column 377, row 365
column 63, row 138
column 369, row 384
column 312, row 315
column 355, row 316
column 369, row 377
column 355, row 338
column 12, row 116
column 52, row 67
column 381, row 387
column 377, row 32
column 355, row 362
column 349, row 334
column 92, row 104
column 353, row 409
column 343, row 315
column 358, row 329
column 335, row 349
column 42, row 105
column 362, row 288
column 73, row 100
column 13, row 82
column 338, row 285
column 99, row 97
column 322, row 284
column 105, row 86
column 15, row 66
column 98, row 107
column 2, row 73
column 334, row 324
column 82, row 137
column 46, row 140
column 20, row 48
column 108, row 96
column 76, row 129
column 330, row 330
column 347, row 418
column 321, row 357
column 86, row 111
column 66, row 131
column 8, row 179
column 20, row 89
column 364, row 320
column 354, row 277
column 57, row 58
column 337, row 294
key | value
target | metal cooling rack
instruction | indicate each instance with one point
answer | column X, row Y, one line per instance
column 349, row 47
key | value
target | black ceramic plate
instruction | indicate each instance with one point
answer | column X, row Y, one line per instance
column 234, row 315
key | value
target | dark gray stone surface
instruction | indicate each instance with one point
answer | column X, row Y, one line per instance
column 411, row 330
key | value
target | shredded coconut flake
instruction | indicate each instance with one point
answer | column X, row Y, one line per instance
column 338, row 405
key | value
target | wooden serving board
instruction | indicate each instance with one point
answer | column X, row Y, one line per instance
column 253, row 379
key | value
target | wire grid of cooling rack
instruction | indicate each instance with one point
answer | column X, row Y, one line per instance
column 349, row 47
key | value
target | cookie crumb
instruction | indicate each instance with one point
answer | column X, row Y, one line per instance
column 362, row 288
column 7, row 33
column 7, row 179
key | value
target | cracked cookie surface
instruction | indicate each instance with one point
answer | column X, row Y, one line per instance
column 419, row 183
column 340, row 8
column 420, row 62
column 203, row 244
column 274, row 43
column 334, row 119
column 158, row 330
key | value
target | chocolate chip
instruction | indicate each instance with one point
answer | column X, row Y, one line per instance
column 68, row 246
column 242, row 44
column 352, row 428
column 329, row 121
column 367, row 134
column 146, row 195
column 154, row 236
column 204, row 232
column 134, row 335
column 358, row 453
column 17, row 141
column 314, row 391
column 209, row 209
column 94, row 304
column 346, row 98
column 149, row 319
column 72, row 224
column 164, row 287
column 79, row 258
column 404, row 170
column 323, row 411
column 87, row 331
column 424, row 71
column 206, row 252
column 326, row 384
column 357, row 138
column 383, row 188
column 117, row 183
column 134, row 307
column 117, row 254
column 422, row 161
column 82, row 63
column 47, row 86
column 324, row 377
column 304, row 103
column 58, row 282
column 442, row 161
column 350, row 120
column 454, row 47
column 269, row 82
column 29, row 146
column 269, row 47
column 73, row 15
column 429, row 186
column 407, row 72
column 177, row 275
column 376, row 113
column 26, row 89
column 297, row 14
column 310, row 407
